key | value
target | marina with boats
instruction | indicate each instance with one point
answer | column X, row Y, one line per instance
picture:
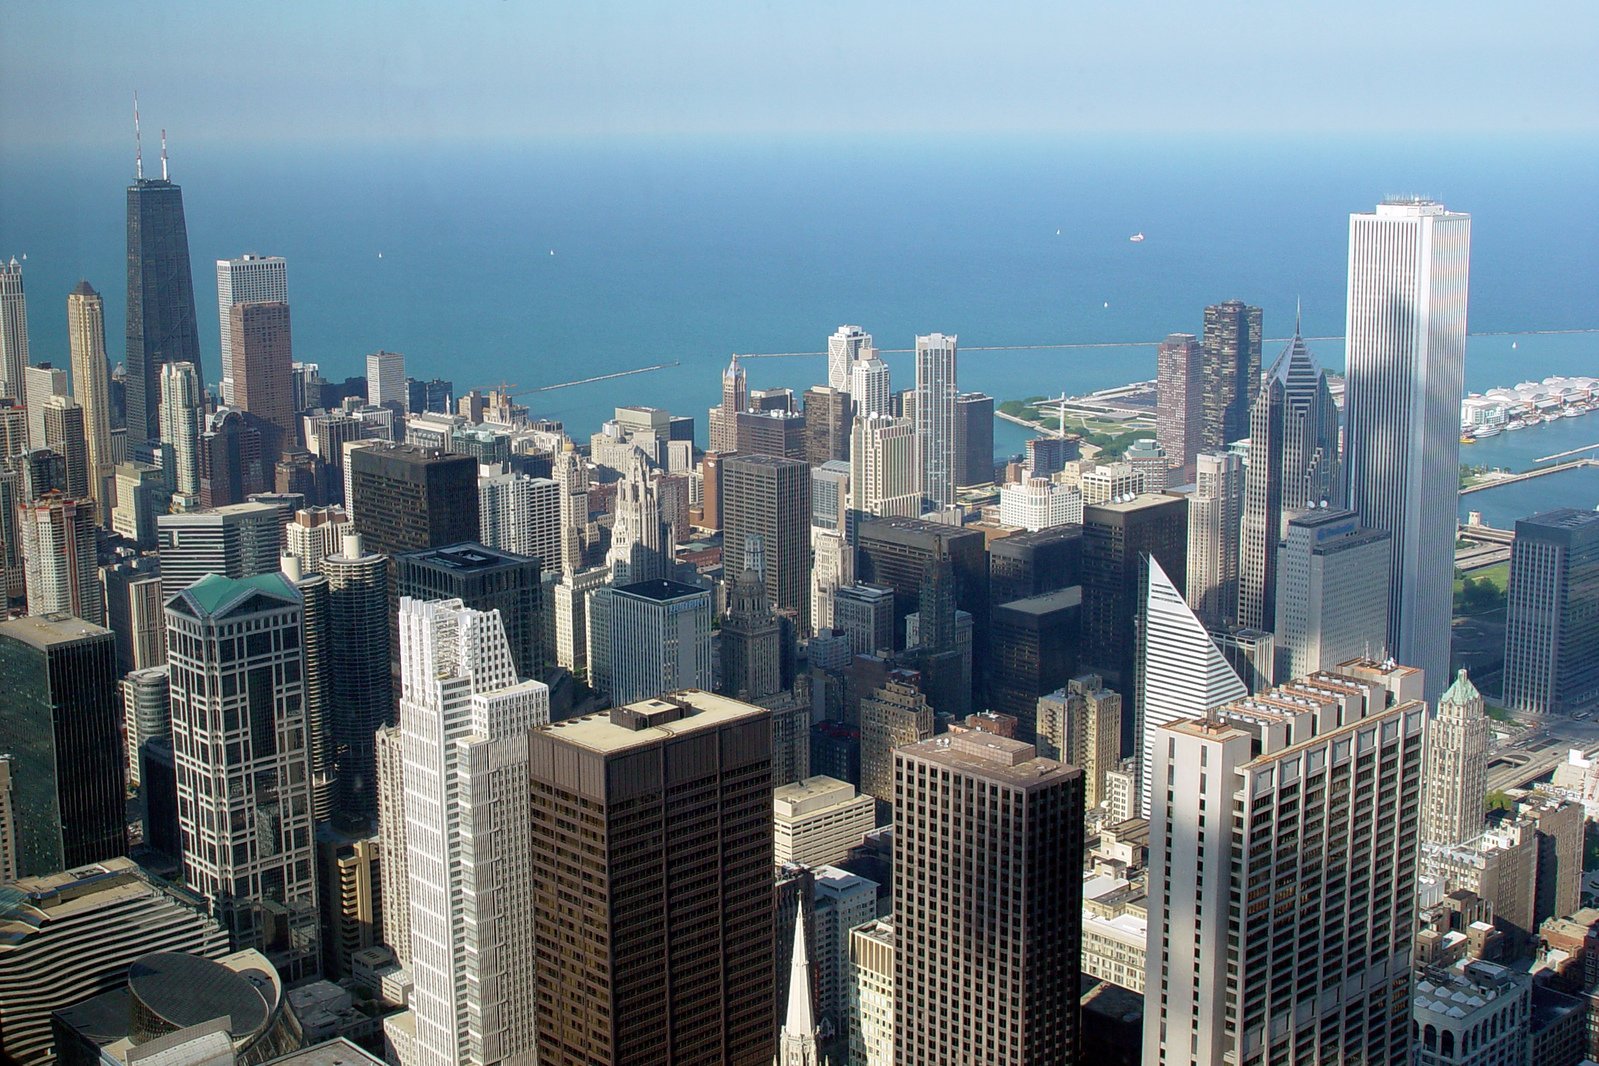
column 1506, row 410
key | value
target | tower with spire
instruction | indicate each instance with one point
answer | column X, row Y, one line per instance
column 796, row 1043
column 735, row 398
column 1293, row 467
column 161, row 325
column 1456, row 779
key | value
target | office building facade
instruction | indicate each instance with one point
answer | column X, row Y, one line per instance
column 1214, row 510
column 1230, row 371
column 1551, row 630
column 769, row 497
column 1332, row 592
column 161, row 324
column 240, row 741
column 404, row 498
column 1409, row 266
column 1180, row 400
column 247, row 279
column 935, row 416
column 987, row 812
column 62, row 728
column 686, row 776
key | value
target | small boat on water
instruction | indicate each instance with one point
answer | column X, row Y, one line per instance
column 1514, row 425
column 1488, row 431
column 1135, row 238
column 1467, row 438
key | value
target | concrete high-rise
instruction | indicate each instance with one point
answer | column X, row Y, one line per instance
column 1281, row 926
column 891, row 716
column 182, row 413
column 1332, row 592
column 1081, row 724
column 884, row 477
column 39, row 383
column 465, row 717
column 135, row 611
column 146, row 713
column 1214, row 509
column 935, row 416
column 485, row 580
column 1230, row 371
column 768, row 497
column 522, row 514
column 1409, row 264
column 240, row 741
column 405, row 498
column 827, row 425
column 654, row 636
column 1180, row 400
column 1293, row 467
column 58, row 538
column 847, row 346
column 641, row 542
column 974, row 439
column 871, row 392
column 360, row 686
column 238, row 541
column 1181, row 672
column 385, row 380
column 1456, row 781
column 1551, row 628
column 91, row 387
column 161, row 326
column 247, row 279
column 626, row 974
column 62, row 726
column 986, row 812
column 263, row 378
column 66, row 434
column 13, row 331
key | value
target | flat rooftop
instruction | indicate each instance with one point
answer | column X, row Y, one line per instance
column 467, row 556
column 700, row 711
column 992, row 757
column 1047, row 603
column 50, row 630
column 662, row 590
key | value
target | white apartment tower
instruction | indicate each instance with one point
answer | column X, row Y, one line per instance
column 465, row 718
column 385, row 380
column 393, row 875
column 1409, row 263
column 39, row 383
column 884, row 477
column 1457, row 767
column 315, row 534
column 13, row 330
column 1214, row 509
column 182, row 411
column 870, row 389
column 245, row 280
column 935, row 416
column 522, row 514
column 1181, row 673
column 58, row 550
column 1283, row 854
column 239, row 741
column 847, row 346
column 91, row 387
column 1038, row 503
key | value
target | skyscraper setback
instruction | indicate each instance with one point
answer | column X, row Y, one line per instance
column 161, row 319
column 247, row 279
column 91, row 388
column 1409, row 264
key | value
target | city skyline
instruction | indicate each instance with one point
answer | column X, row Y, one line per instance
column 1071, row 699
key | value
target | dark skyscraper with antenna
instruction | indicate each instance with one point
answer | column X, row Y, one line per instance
column 161, row 321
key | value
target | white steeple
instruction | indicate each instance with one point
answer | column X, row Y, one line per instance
column 796, row 1044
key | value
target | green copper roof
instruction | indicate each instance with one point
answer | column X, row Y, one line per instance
column 213, row 592
column 1462, row 691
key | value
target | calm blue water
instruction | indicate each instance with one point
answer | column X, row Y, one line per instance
column 692, row 250
column 1520, row 451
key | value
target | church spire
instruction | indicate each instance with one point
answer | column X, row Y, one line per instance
column 797, row 1042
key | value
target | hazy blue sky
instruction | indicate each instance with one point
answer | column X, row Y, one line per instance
column 390, row 71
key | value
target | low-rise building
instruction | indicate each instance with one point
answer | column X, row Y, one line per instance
column 817, row 821
column 1115, row 931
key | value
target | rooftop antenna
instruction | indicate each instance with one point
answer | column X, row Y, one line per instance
column 163, row 154
column 1296, row 316
column 138, row 143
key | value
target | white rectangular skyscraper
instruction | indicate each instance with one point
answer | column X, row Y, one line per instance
column 247, row 279
column 1409, row 263
column 935, row 416
column 385, row 379
column 465, row 718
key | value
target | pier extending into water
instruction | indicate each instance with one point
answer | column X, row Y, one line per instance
column 1562, row 455
column 1511, row 479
